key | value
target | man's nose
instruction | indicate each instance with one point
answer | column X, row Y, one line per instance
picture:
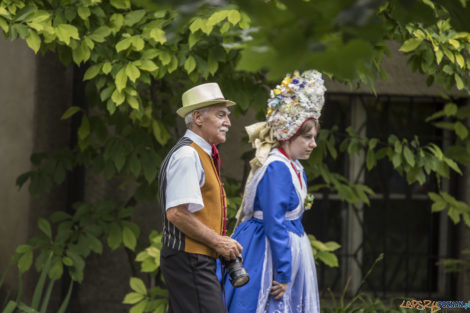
column 227, row 122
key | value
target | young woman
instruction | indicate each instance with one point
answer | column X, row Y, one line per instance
column 276, row 251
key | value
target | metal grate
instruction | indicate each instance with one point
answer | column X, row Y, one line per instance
column 399, row 222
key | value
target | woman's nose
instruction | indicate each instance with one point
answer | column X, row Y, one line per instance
column 313, row 144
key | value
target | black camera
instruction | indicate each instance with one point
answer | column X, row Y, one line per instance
column 238, row 274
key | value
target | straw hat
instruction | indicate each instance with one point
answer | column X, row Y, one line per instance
column 202, row 96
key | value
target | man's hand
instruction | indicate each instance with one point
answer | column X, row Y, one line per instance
column 227, row 247
column 191, row 226
column 278, row 289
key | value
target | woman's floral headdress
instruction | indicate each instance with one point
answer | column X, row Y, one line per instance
column 297, row 99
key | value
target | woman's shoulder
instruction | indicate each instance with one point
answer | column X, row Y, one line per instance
column 277, row 166
column 277, row 170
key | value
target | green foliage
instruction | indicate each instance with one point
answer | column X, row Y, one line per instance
column 71, row 238
column 324, row 251
column 138, row 56
column 41, row 295
column 143, row 299
column 457, row 265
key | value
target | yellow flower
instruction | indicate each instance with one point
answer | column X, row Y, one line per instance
column 286, row 81
column 270, row 111
column 277, row 91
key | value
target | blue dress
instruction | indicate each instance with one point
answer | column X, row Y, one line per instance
column 275, row 246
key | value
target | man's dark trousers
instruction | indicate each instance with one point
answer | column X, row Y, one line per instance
column 192, row 282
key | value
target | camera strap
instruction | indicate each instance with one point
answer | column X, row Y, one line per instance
column 224, row 276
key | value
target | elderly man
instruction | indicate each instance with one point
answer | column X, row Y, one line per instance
column 193, row 200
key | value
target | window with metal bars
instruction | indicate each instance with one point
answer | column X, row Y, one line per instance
column 398, row 222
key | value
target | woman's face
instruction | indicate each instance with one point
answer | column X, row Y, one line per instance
column 302, row 146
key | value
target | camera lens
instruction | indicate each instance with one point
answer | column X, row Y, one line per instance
column 238, row 274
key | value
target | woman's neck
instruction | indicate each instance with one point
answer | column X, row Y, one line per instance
column 286, row 147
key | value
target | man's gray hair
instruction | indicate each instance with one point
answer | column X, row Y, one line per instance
column 188, row 119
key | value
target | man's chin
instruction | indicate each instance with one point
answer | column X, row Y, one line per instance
column 221, row 139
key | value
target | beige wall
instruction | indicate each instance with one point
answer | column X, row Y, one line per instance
column 17, row 87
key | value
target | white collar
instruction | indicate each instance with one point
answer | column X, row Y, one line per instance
column 201, row 142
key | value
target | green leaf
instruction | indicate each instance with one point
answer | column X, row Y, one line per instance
column 450, row 109
column 459, row 81
column 460, row 60
column 134, row 164
column 10, row 307
column 445, row 125
column 328, row 258
column 121, row 79
column 83, row 12
column 439, row 56
column 234, row 17
column 133, row 102
column 133, row 17
column 65, row 32
column 193, row 39
column 92, row 71
column 84, row 130
column 190, row 64
column 461, row 130
column 371, row 161
column 225, row 28
column 33, row 41
column 128, row 238
column 67, row 261
column 409, row 156
column 164, row 57
column 132, row 72
column 56, row 270
column 158, row 35
column 438, row 206
column 100, row 34
column 70, row 112
column 148, row 65
column 195, row 25
column 218, row 17
column 121, row 4
column 139, row 308
column 45, row 227
column 137, row 42
column 123, row 44
column 107, row 67
column 206, row 27
column 118, row 97
column 25, row 261
column 115, row 236
column 396, row 160
column 453, row 165
column 410, row 44
column 160, row 132
column 4, row 25
column 138, row 286
column 23, row 249
column 81, row 53
column 132, row 298
column 149, row 166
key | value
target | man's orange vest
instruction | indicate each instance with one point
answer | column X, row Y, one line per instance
column 213, row 197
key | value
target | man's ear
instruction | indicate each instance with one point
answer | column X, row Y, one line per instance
column 197, row 117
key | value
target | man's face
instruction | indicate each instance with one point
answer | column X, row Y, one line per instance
column 214, row 123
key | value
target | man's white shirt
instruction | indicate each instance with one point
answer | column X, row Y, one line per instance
column 185, row 175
